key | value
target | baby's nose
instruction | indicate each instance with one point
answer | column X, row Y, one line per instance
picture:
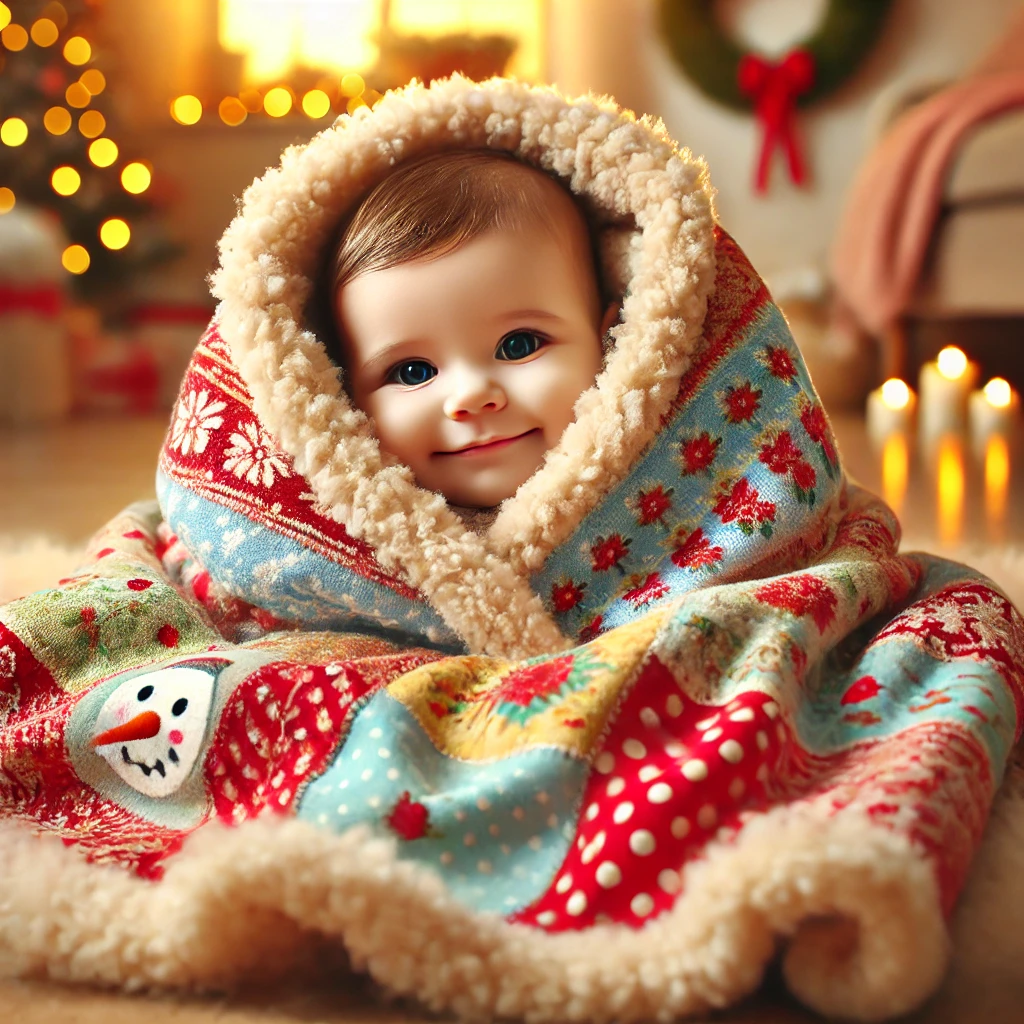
column 472, row 394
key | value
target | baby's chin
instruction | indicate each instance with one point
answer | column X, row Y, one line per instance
column 483, row 486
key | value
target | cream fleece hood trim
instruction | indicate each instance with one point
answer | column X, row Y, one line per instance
column 652, row 205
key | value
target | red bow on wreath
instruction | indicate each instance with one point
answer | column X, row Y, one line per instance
column 774, row 88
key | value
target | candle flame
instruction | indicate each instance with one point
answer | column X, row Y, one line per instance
column 950, row 489
column 998, row 393
column 997, row 479
column 895, row 394
column 952, row 362
column 895, row 466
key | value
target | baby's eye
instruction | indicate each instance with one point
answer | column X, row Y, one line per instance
column 518, row 345
column 411, row 373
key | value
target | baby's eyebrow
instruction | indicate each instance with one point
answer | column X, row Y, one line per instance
column 529, row 314
column 386, row 355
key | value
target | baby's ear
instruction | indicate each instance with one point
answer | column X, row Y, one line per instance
column 610, row 318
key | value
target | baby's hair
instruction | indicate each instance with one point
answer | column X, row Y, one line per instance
column 436, row 203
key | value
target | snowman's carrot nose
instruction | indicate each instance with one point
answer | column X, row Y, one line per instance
column 141, row 727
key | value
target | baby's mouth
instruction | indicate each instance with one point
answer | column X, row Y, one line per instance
column 490, row 446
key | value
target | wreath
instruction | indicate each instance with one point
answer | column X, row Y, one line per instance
column 812, row 70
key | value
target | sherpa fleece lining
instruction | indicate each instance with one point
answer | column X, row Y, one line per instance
column 652, row 206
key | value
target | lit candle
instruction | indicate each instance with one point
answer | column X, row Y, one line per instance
column 994, row 411
column 997, row 481
column 895, row 468
column 943, row 388
column 890, row 412
column 950, row 483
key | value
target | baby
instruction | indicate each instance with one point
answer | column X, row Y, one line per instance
column 469, row 313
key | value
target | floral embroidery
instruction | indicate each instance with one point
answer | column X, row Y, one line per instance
column 196, row 417
column 566, row 595
column 651, row 589
column 741, row 402
column 742, row 505
column 651, row 506
column 781, row 456
column 813, row 418
column 409, row 819
column 802, row 594
column 252, row 456
column 694, row 550
column 608, row 552
column 697, row 454
column 779, row 362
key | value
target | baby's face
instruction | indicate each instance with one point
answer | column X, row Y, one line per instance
column 470, row 363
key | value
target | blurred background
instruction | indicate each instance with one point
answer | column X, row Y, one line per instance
column 128, row 128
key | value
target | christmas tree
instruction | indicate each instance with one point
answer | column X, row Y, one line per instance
column 60, row 149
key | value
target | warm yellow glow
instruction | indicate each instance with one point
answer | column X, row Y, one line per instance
column 92, row 123
column 7, row 200
column 998, row 392
column 94, row 81
column 115, row 233
column 77, row 50
column 997, row 481
column 276, row 38
column 895, row 394
column 13, row 132
column 316, row 103
column 14, row 37
column 950, row 481
column 352, row 85
column 186, row 109
column 895, row 469
column 355, row 103
column 103, row 152
column 5, row 20
column 952, row 362
column 232, row 111
column 57, row 120
column 65, row 180
column 277, row 102
column 75, row 259
column 136, row 177
column 56, row 13
column 44, row 32
column 252, row 100
column 76, row 95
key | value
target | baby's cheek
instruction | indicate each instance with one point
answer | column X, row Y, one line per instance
column 402, row 425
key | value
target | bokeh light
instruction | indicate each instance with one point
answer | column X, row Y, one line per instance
column 186, row 109
column 5, row 20
column 316, row 103
column 56, row 13
column 14, row 37
column 94, row 81
column 998, row 392
column 92, row 123
column 352, row 85
column 57, row 120
column 355, row 103
column 65, row 180
column 895, row 394
column 77, row 50
column 232, row 111
column 251, row 99
column 13, row 132
column 115, row 233
column 103, row 152
column 77, row 95
column 278, row 101
column 44, row 32
column 135, row 177
column 6, row 200
column 75, row 259
column 952, row 362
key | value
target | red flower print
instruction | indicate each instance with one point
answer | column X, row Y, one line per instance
column 804, row 476
column 696, row 552
column 139, row 584
column 782, row 456
column 652, row 505
column 88, row 616
column 698, row 453
column 592, row 629
column 409, row 819
column 741, row 402
column 523, row 685
column 167, row 635
column 780, row 363
column 566, row 595
column 608, row 552
column 742, row 505
column 816, row 424
column 801, row 595
column 653, row 588
column 863, row 689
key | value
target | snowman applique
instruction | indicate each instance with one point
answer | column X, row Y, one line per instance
column 151, row 728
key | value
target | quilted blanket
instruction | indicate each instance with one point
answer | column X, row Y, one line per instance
column 682, row 707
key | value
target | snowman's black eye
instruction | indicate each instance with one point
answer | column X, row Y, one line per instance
column 145, row 693
column 178, row 707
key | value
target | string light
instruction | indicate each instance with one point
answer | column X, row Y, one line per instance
column 44, row 32
column 92, row 123
column 13, row 132
column 57, row 120
column 232, row 111
column 65, row 180
column 6, row 200
column 316, row 103
column 75, row 259
column 94, row 81
column 135, row 177
column 103, row 152
column 76, row 95
column 186, row 109
column 277, row 102
column 115, row 233
column 14, row 37
column 77, row 50
column 5, row 20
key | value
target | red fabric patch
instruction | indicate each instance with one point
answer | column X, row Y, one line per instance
column 139, row 584
column 167, row 635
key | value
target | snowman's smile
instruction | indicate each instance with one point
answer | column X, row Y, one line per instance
column 147, row 769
